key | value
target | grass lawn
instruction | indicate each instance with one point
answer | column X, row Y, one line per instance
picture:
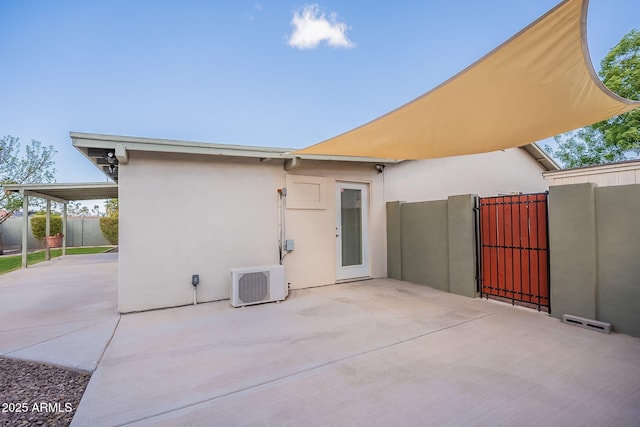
column 10, row 263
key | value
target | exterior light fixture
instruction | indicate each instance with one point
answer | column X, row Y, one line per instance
column 380, row 167
column 110, row 156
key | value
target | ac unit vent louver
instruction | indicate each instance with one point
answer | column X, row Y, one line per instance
column 255, row 285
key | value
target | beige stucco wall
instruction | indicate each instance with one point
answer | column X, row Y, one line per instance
column 195, row 214
column 182, row 215
column 185, row 214
column 488, row 174
column 313, row 262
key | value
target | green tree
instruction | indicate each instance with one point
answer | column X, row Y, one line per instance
column 78, row 209
column 619, row 137
column 109, row 223
column 34, row 164
column 109, row 228
column 112, row 207
column 585, row 147
column 38, row 226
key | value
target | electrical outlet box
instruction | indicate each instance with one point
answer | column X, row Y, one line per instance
column 195, row 279
column 288, row 245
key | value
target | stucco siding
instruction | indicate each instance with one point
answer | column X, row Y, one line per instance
column 313, row 262
column 183, row 215
column 186, row 214
column 594, row 239
column 488, row 174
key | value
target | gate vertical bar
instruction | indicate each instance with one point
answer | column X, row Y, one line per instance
column 486, row 275
column 513, row 263
column 478, row 242
column 529, row 244
column 546, row 214
column 521, row 245
column 495, row 280
column 539, row 248
column 504, row 244
column 497, row 246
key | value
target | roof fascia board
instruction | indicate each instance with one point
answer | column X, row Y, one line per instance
column 124, row 144
column 343, row 158
column 172, row 146
column 84, row 140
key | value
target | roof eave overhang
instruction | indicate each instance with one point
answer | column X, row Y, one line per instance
column 87, row 143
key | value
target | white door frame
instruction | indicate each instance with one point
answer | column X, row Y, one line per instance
column 358, row 270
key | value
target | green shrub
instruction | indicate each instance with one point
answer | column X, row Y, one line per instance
column 109, row 227
column 39, row 222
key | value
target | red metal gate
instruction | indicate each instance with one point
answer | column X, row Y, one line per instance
column 513, row 249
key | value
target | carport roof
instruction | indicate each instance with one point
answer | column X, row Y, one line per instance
column 66, row 192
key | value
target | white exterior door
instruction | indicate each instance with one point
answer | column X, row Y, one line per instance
column 352, row 239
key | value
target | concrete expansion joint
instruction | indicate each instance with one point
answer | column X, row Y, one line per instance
column 98, row 320
column 108, row 342
column 55, row 337
column 314, row 368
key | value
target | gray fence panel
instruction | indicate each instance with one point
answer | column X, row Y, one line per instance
column 594, row 238
column 80, row 232
column 433, row 243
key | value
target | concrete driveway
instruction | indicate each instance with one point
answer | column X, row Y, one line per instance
column 62, row 312
column 378, row 352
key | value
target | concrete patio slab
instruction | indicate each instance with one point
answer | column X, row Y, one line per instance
column 62, row 311
column 379, row 352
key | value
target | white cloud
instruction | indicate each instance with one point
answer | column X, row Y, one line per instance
column 310, row 27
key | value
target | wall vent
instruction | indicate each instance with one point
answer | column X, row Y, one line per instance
column 256, row 285
column 593, row 325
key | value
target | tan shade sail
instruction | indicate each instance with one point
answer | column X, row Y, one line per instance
column 538, row 84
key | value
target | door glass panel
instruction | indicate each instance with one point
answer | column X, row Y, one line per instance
column 351, row 219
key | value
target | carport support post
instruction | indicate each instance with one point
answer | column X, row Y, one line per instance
column 47, row 232
column 25, row 227
column 64, row 229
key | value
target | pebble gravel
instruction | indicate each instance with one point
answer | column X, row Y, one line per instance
column 36, row 394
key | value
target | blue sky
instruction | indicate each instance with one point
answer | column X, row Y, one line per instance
column 238, row 72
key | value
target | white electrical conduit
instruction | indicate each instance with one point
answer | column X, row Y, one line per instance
column 280, row 225
column 282, row 206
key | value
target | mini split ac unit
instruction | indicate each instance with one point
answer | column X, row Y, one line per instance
column 255, row 285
